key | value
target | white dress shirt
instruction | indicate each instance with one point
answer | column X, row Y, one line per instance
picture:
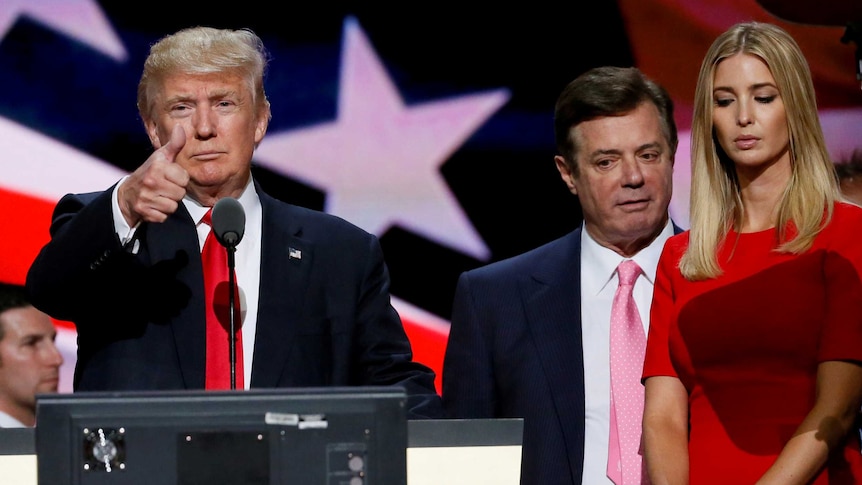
column 598, row 284
column 7, row 421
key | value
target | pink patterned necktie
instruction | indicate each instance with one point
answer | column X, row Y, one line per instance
column 628, row 345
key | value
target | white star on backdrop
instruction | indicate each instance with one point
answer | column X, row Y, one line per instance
column 379, row 161
column 34, row 163
column 82, row 20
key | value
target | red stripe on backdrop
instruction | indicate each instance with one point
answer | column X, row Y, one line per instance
column 64, row 324
column 429, row 346
column 28, row 219
column 25, row 225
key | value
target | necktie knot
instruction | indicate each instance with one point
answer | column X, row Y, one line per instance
column 208, row 217
column 628, row 272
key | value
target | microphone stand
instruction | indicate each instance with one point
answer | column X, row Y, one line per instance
column 231, row 266
column 229, row 223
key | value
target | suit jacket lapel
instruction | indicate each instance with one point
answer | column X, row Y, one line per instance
column 552, row 295
column 286, row 262
column 177, row 238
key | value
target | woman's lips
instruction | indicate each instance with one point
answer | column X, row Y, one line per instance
column 745, row 142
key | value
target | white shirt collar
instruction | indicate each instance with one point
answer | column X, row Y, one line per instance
column 249, row 201
column 602, row 262
column 7, row 421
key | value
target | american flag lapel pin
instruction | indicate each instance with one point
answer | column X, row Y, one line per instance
column 294, row 253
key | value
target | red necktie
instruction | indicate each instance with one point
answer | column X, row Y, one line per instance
column 216, row 283
column 628, row 345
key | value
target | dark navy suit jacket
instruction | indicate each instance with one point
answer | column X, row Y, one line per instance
column 515, row 350
column 324, row 319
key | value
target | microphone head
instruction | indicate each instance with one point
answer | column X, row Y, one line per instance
column 228, row 218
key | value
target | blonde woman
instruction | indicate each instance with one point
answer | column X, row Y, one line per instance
column 753, row 370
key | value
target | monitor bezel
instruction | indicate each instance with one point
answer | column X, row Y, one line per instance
column 372, row 418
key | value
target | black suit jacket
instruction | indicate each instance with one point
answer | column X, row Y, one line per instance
column 324, row 319
column 515, row 350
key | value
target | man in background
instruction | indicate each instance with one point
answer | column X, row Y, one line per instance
column 850, row 177
column 29, row 360
column 530, row 335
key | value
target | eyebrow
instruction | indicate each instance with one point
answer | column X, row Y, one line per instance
column 39, row 336
column 596, row 153
column 752, row 87
column 615, row 151
column 214, row 95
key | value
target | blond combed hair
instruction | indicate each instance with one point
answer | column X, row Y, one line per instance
column 205, row 50
column 716, row 204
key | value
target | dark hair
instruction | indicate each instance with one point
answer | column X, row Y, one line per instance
column 12, row 296
column 850, row 168
column 608, row 91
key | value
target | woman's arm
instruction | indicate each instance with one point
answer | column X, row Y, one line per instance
column 824, row 429
column 665, row 431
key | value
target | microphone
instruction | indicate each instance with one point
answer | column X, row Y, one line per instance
column 228, row 219
column 228, row 223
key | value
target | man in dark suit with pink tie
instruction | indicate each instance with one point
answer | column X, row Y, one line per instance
column 530, row 335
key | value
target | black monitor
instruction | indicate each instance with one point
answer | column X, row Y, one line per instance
column 301, row 436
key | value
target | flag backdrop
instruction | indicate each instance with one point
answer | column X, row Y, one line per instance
column 428, row 125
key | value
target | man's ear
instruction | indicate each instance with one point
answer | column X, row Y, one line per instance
column 153, row 133
column 262, row 125
column 566, row 174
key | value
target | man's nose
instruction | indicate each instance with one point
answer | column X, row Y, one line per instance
column 204, row 122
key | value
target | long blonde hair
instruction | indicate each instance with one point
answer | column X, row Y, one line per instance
column 716, row 205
